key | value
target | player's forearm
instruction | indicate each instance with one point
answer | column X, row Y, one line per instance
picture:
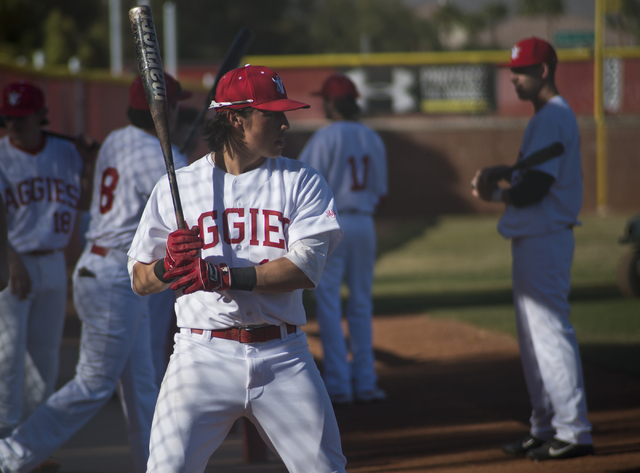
column 281, row 275
column 145, row 281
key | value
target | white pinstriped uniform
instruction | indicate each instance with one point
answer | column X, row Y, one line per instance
column 115, row 344
column 352, row 158
column 244, row 220
column 41, row 193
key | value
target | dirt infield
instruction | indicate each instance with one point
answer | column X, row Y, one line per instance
column 456, row 393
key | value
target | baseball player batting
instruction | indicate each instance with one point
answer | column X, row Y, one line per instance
column 541, row 208
column 44, row 180
column 260, row 227
column 115, row 353
column 353, row 160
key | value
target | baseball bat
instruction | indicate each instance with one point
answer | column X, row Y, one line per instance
column 95, row 144
column 541, row 156
column 234, row 54
column 152, row 73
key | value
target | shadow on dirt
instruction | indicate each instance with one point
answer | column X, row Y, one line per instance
column 439, row 408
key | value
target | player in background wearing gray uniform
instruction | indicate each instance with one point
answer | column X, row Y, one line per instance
column 44, row 181
column 262, row 225
column 542, row 206
column 115, row 352
column 353, row 160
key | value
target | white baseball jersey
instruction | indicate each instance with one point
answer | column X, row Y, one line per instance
column 41, row 193
column 127, row 169
column 353, row 160
column 244, row 220
column 555, row 122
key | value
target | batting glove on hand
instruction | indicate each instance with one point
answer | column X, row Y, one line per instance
column 198, row 275
column 182, row 246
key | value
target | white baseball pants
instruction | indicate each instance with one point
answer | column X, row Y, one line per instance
column 30, row 336
column 115, row 354
column 548, row 343
column 211, row 382
column 353, row 262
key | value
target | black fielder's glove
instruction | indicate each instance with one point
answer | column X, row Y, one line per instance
column 199, row 275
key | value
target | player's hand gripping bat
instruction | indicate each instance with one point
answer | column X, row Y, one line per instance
column 234, row 54
column 152, row 73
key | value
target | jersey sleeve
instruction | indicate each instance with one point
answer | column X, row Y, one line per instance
column 315, row 211
column 150, row 239
column 542, row 134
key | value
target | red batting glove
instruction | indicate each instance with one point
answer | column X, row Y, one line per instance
column 181, row 244
column 198, row 275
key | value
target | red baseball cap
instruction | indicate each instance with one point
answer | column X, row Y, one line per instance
column 253, row 86
column 338, row 86
column 21, row 99
column 529, row 52
column 138, row 99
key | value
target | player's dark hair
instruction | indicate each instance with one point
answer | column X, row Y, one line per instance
column 140, row 118
column 348, row 107
column 552, row 71
column 217, row 130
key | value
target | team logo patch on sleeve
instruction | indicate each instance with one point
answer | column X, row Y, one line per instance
column 330, row 214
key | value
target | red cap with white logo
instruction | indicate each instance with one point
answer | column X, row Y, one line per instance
column 253, row 86
column 21, row 99
column 529, row 52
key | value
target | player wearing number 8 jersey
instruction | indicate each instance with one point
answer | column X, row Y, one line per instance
column 43, row 182
column 115, row 350
column 352, row 158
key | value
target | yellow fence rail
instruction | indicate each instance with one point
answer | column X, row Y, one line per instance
column 422, row 58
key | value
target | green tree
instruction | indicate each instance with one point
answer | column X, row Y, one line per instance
column 495, row 13
column 61, row 28
column 550, row 9
column 541, row 7
column 59, row 31
column 457, row 28
column 20, row 34
column 626, row 19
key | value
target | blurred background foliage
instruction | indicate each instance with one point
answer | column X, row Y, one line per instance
column 64, row 29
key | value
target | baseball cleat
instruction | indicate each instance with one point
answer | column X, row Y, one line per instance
column 559, row 450
column 374, row 395
column 522, row 445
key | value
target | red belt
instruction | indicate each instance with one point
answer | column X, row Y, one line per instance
column 252, row 335
column 99, row 250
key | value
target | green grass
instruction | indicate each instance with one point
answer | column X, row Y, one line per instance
column 459, row 267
